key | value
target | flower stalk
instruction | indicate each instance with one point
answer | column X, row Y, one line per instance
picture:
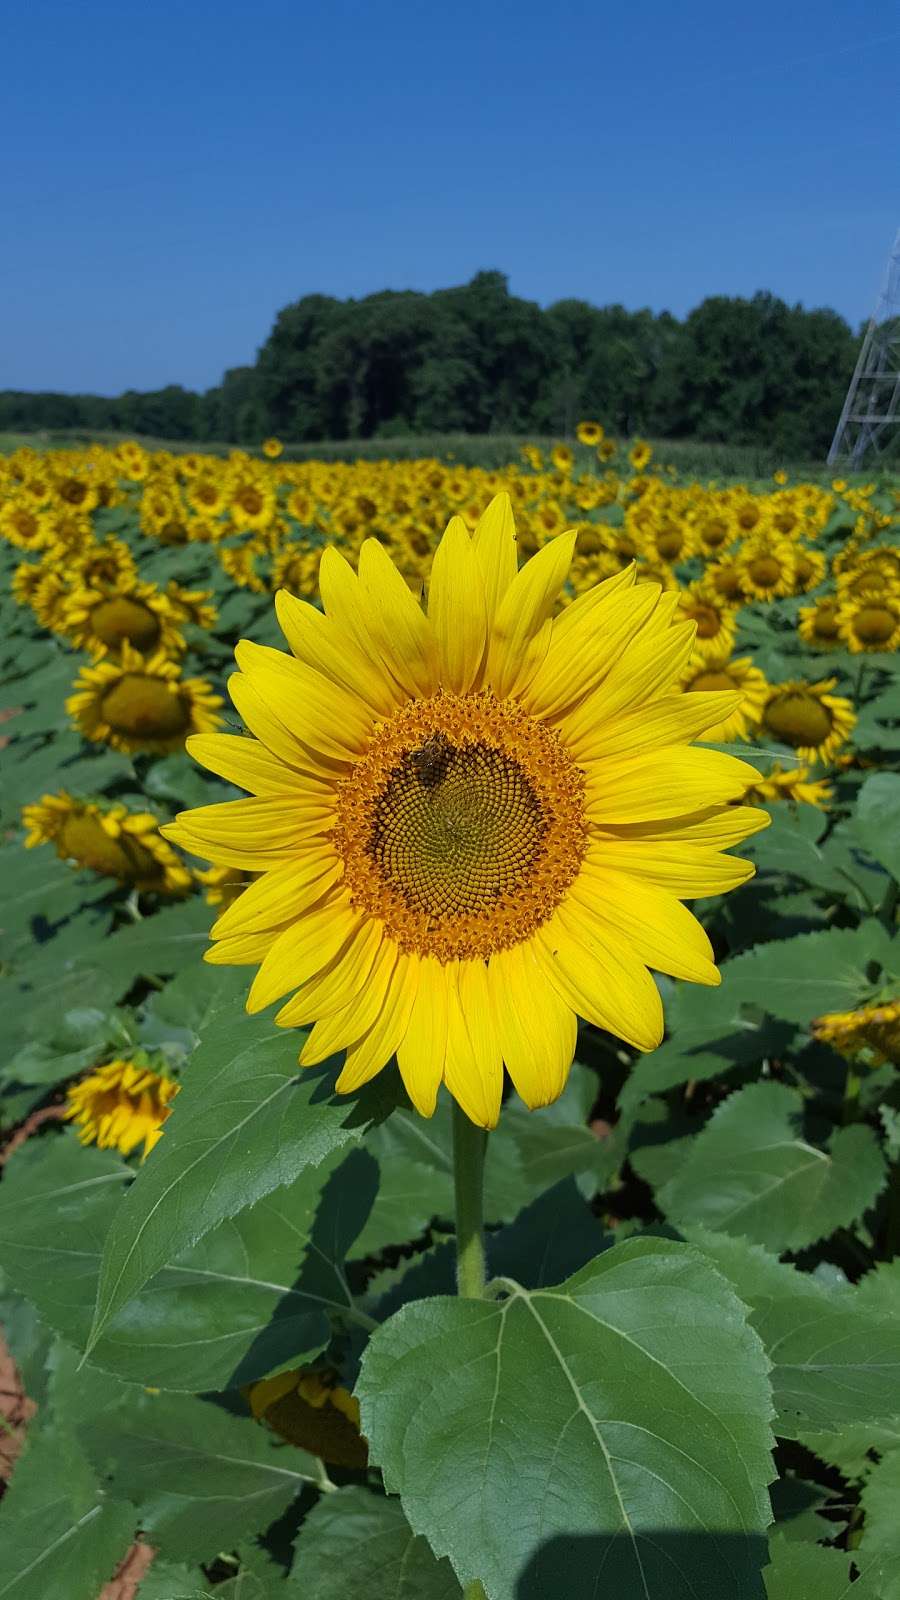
column 469, row 1145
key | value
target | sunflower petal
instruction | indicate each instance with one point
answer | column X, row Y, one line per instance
column 374, row 1050
column 457, row 608
column 520, row 637
column 423, row 1049
column 249, row 764
column 399, row 626
column 473, row 1067
column 535, row 1026
column 358, row 1017
column 494, row 541
column 600, row 979
column 303, row 950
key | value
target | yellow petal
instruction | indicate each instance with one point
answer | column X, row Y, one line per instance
column 473, row 1066
column 249, row 764
column 659, row 930
column 664, row 783
column 354, row 1020
column 594, row 599
column 643, row 671
column 326, row 717
column 494, row 541
column 398, row 624
column 281, row 894
column 675, row 719
column 243, row 950
column 373, row 1051
column 536, row 1027
column 264, row 720
column 602, row 981
column 422, row 1051
column 338, row 982
column 520, row 637
column 320, row 645
column 580, row 656
column 303, row 950
column 252, row 834
column 456, row 608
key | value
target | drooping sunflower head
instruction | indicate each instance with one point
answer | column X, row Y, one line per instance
column 808, row 718
column 122, row 1105
column 108, row 839
column 722, row 675
column 141, row 703
column 794, row 784
column 472, row 822
column 310, row 1407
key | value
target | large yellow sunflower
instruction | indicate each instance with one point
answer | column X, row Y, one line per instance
column 472, row 824
column 138, row 703
column 808, row 717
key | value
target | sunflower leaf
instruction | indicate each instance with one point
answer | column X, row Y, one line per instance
column 809, row 1572
column 881, row 1534
column 244, row 1125
column 357, row 1541
column 539, row 1439
column 750, row 1172
column 877, row 819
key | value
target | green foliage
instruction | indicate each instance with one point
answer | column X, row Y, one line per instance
column 358, row 1541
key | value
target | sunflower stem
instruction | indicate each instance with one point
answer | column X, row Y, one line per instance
column 469, row 1145
column 474, row 1590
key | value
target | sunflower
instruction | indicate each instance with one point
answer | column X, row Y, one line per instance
column 795, row 785
column 471, row 823
column 26, row 526
column 590, row 433
column 818, row 625
column 295, row 569
column 206, row 495
column 713, row 618
column 808, row 717
column 138, row 703
column 251, row 503
column 121, row 1105
column 640, row 454
column 767, row 568
column 726, row 579
column 872, row 623
column 239, row 564
column 100, row 564
column 312, row 1409
column 26, row 581
column 562, row 458
column 222, row 885
column 107, row 838
column 192, row 605
column 606, row 449
column 871, row 1033
column 809, row 569
column 102, row 620
column 720, row 674
column 272, row 448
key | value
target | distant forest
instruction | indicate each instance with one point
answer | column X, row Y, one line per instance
column 477, row 359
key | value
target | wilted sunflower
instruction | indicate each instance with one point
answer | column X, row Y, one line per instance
column 872, row 623
column 121, row 1105
column 871, row 1033
column 138, row 703
column 722, row 674
column 107, row 838
column 474, row 823
column 313, row 1410
column 808, row 717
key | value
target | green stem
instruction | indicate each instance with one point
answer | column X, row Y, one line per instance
column 469, row 1145
column 852, row 1086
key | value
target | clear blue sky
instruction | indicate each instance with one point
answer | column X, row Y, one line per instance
column 175, row 173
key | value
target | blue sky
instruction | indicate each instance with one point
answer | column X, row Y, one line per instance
column 175, row 173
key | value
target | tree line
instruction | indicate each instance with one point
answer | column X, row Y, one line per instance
column 477, row 359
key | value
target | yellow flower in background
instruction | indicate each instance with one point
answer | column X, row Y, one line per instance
column 872, row 623
column 590, row 433
column 562, row 458
column 809, row 569
column 719, row 675
column 713, row 618
column 24, row 525
column 780, row 476
column 472, row 824
column 818, row 625
column 107, row 838
column 808, row 717
column 272, row 448
column 767, row 566
column 121, row 1105
column 871, row 1033
column 640, row 454
column 102, row 620
column 141, row 703
column 793, row 784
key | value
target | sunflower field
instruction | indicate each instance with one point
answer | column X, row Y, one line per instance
column 403, row 1192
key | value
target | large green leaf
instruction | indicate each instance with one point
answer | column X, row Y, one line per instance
column 615, row 1423
column 798, row 979
column 810, row 1572
column 358, row 1542
column 834, row 1361
column 750, row 1171
column 63, row 1535
column 256, row 1294
column 243, row 1125
column 881, row 1531
column 203, row 1479
column 877, row 819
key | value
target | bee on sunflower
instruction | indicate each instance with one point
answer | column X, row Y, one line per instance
column 460, row 914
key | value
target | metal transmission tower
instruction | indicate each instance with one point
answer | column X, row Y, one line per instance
column 872, row 407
